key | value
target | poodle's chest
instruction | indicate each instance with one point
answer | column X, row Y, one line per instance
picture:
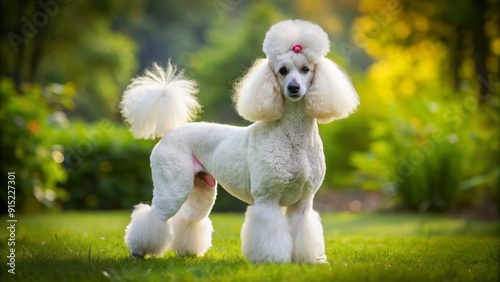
column 286, row 162
column 290, row 169
column 291, row 175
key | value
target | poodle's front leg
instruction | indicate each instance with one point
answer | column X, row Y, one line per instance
column 265, row 235
column 307, row 234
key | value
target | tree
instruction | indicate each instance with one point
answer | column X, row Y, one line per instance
column 440, row 41
column 59, row 41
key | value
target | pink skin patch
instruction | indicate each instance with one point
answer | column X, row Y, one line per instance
column 198, row 170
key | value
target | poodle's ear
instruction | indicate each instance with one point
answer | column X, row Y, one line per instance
column 331, row 95
column 257, row 95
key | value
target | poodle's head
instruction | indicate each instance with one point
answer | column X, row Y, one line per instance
column 294, row 74
column 295, row 69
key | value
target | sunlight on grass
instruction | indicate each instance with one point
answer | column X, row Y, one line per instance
column 90, row 247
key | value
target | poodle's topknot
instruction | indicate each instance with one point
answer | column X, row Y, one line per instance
column 284, row 37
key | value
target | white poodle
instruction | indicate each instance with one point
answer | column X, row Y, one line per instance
column 276, row 165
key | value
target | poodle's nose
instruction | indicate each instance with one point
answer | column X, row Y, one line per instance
column 293, row 88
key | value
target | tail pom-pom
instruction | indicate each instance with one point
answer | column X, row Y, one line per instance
column 158, row 101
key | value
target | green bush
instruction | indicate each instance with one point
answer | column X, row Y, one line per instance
column 433, row 153
column 340, row 139
column 23, row 118
column 106, row 167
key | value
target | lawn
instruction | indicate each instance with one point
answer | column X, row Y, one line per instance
column 360, row 247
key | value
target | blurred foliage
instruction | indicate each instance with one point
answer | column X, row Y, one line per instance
column 73, row 41
column 101, row 64
column 106, row 167
column 340, row 140
column 417, row 44
column 434, row 153
column 433, row 132
column 23, row 144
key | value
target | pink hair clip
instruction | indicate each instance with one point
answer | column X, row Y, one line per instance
column 297, row 48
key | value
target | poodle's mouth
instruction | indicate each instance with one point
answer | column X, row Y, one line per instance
column 294, row 96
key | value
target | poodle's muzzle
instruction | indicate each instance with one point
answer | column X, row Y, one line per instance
column 294, row 91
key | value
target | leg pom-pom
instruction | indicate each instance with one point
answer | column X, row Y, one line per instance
column 191, row 237
column 147, row 234
column 265, row 235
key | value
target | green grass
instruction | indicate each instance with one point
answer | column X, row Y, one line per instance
column 360, row 247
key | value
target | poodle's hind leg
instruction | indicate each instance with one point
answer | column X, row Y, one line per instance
column 265, row 235
column 307, row 234
column 191, row 227
column 149, row 232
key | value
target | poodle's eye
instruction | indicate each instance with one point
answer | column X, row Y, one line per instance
column 283, row 71
column 305, row 69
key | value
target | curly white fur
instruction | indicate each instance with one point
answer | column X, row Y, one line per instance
column 282, row 36
column 276, row 164
column 306, row 229
column 159, row 101
column 265, row 235
column 258, row 94
column 331, row 95
column 147, row 233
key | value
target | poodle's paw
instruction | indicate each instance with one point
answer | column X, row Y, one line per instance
column 307, row 234
column 318, row 259
column 191, row 237
column 266, row 256
column 265, row 236
column 322, row 259
column 146, row 234
column 136, row 256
